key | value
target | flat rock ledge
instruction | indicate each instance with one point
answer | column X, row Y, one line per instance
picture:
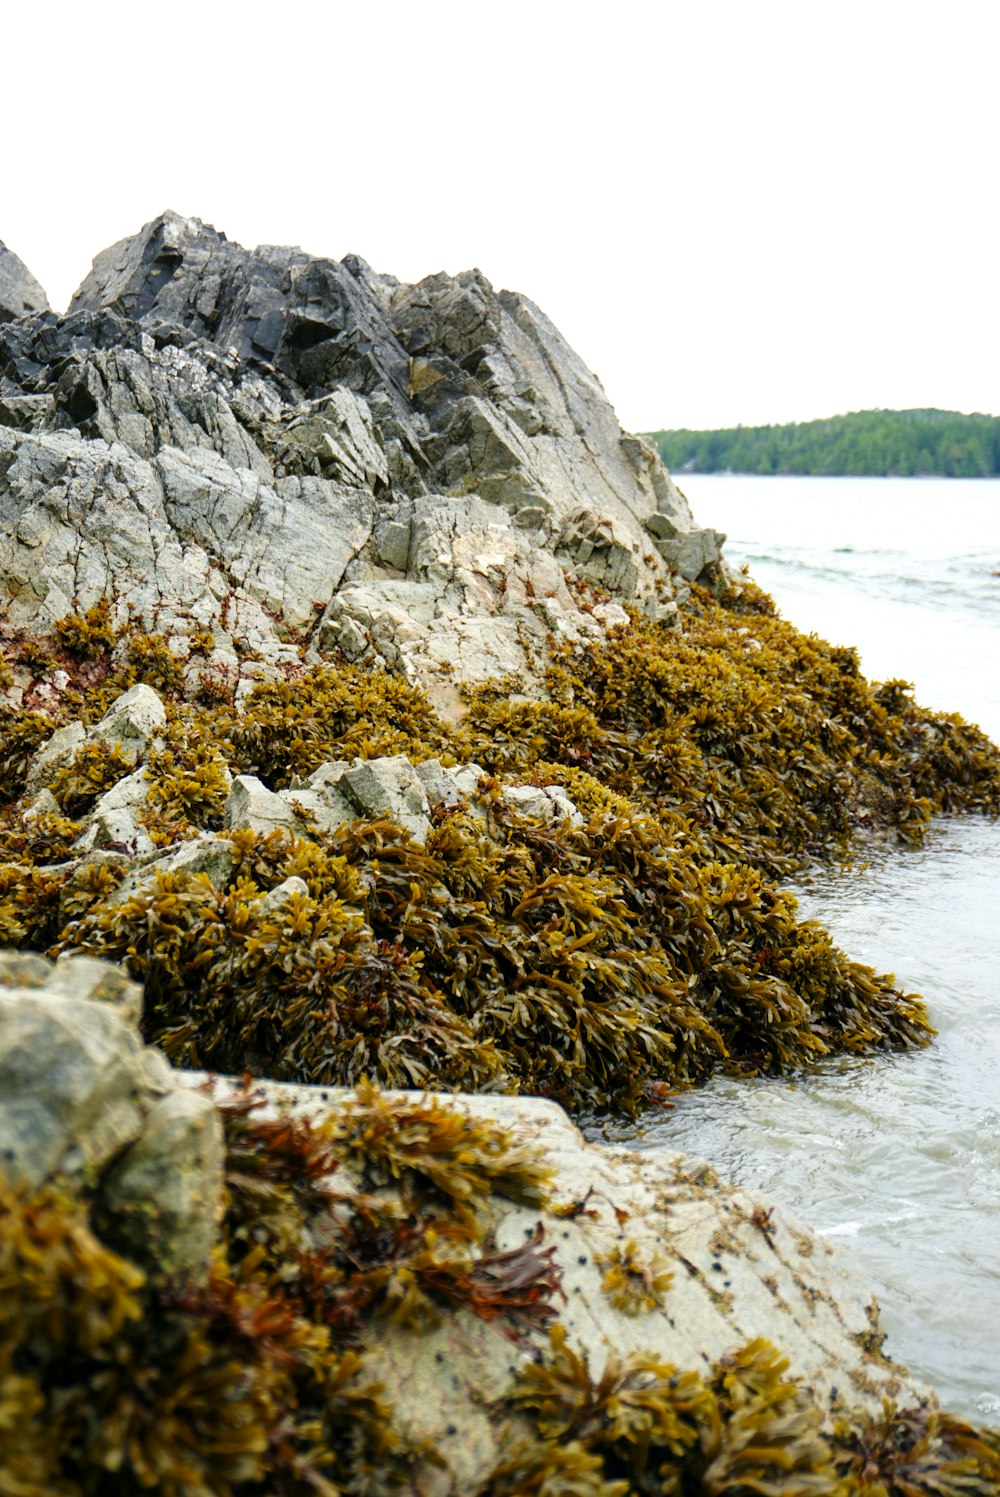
column 82, row 1097
column 733, row 1280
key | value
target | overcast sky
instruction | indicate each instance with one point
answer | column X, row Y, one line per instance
column 735, row 211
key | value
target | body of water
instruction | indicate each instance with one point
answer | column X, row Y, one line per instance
column 897, row 1159
column 906, row 569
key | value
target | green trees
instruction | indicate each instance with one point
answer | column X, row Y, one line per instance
column 903, row 443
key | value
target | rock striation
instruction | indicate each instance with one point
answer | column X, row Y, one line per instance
column 299, row 453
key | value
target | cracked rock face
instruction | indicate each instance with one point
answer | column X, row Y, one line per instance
column 301, row 454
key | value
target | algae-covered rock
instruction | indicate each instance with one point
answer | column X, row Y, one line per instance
column 454, row 1297
column 132, row 722
column 734, row 1266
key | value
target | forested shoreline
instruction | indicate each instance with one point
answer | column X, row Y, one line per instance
column 877, row 443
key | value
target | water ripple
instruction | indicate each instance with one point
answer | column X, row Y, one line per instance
column 897, row 1159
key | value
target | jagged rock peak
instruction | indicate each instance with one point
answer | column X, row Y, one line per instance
column 20, row 293
column 303, row 455
column 269, row 305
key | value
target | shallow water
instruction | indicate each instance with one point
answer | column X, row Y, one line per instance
column 897, row 1159
column 907, row 569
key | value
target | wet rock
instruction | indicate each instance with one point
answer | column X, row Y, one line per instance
column 389, row 787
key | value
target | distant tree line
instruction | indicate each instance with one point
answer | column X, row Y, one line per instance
column 881, row 443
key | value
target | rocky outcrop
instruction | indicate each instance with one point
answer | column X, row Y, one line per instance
column 301, row 454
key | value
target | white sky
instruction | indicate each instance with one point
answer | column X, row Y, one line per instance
column 736, row 210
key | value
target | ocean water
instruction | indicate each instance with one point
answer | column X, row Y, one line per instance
column 897, row 1159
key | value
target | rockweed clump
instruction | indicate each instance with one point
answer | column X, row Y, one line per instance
column 592, row 963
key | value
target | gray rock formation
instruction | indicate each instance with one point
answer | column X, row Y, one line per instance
column 299, row 454
column 20, row 293
column 82, row 1097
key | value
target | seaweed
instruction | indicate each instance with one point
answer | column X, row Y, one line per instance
column 433, row 1151
column 661, row 1431
column 94, row 768
column 632, row 1283
column 21, row 736
column 90, row 634
column 599, row 964
column 769, row 743
column 588, row 964
column 918, row 1450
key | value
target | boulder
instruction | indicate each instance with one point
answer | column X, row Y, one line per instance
column 709, row 1269
column 82, row 1097
column 389, row 787
column 20, row 293
column 250, row 806
column 131, row 723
